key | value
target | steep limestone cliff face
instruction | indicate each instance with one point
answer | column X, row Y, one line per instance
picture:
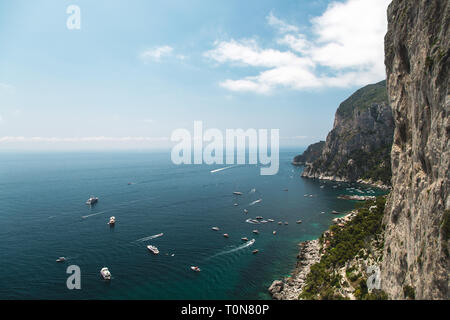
column 311, row 153
column 416, row 251
column 359, row 145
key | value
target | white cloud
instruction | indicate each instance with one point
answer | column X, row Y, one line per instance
column 346, row 48
column 155, row 54
column 282, row 26
column 4, row 87
column 82, row 139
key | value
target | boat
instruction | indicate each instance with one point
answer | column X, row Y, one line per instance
column 255, row 231
column 274, row 232
column 280, row 223
column 244, row 239
column 270, row 220
column 259, row 217
column 299, row 221
column 263, row 221
column 196, row 269
column 153, row 249
column 112, row 221
column 286, row 223
column 235, row 204
column 255, row 251
column 215, row 228
column 92, row 200
column 334, row 212
column 245, row 211
column 237, row 193
column 105, row 273
column 61, row 259
column 226, row 235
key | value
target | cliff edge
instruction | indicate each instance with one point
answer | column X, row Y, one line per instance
column 358, row 147
column 416, row 251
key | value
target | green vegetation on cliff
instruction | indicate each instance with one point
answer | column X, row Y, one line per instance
column 363, row 98
column 355, row 239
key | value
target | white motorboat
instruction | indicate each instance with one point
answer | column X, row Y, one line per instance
column 61, row 259
column 105, row 273
column 255, row 231
column 215, row 228
column 237, row 193
column 244, row 239
column 112, row 221
column 153, row 249
column 92, row 200
column 196, row 269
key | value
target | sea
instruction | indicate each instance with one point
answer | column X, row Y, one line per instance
column 44, row 215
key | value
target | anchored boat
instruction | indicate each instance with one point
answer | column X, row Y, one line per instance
column 153, row 249
column 92, row 200
column 105, row 273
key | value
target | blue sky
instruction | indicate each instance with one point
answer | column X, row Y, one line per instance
column 137, row 70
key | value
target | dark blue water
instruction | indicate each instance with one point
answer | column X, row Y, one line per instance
column 43, row 215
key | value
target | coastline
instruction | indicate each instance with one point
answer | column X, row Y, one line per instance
column 368, row 182
column 310, row 253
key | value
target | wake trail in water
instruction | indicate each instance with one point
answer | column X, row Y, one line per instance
column 255, row 202
column 243, row 246
column 150, row 237
column 94, row 214
column 225, row 168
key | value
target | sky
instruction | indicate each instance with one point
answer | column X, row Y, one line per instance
column 135, row 71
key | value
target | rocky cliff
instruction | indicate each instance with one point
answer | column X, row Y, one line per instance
column 311, row 153
column 358, row 147
column 416, row 251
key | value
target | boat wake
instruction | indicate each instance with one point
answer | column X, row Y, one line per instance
column 225, row 168
column 255, row 202
column 243, row 246
column 150, row 237
column 94, row 214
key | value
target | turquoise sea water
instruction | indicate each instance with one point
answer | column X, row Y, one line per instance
column 43, row 215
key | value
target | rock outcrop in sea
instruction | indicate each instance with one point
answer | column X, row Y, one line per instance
column 358, row 147
column 416, row 260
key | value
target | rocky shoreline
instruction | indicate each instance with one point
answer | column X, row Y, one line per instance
column 309, row 254
column 367, row 182
column 291, row 287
